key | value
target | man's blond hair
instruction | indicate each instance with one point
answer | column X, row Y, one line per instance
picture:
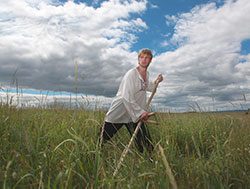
column 145, row 51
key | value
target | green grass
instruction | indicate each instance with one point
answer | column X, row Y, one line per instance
column 56, row 148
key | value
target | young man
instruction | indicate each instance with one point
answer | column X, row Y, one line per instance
column 128, row 107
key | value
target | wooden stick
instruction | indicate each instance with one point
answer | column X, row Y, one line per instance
column 151, row 114
column 152, row 122
column 125, row 151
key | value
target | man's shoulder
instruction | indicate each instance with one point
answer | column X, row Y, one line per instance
column 130, row 75
column 132, row 71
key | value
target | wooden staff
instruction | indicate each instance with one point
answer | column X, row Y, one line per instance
column 125, row 151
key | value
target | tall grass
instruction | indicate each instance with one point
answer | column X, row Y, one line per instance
column 57, row 148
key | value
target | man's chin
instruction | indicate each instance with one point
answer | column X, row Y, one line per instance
column 144, row 65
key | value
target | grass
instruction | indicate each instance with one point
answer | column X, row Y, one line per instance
column 57, row 148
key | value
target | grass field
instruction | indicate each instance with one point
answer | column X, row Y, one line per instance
column 56, row 148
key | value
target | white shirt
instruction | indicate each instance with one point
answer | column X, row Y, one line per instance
column 130, row 100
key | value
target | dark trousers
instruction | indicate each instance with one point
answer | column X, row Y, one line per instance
column 143, row 137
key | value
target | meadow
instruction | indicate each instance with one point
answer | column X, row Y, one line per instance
column 57, row 147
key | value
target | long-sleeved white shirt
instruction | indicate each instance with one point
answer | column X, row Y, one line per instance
column 130, row 100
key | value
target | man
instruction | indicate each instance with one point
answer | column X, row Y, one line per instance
column 128, row 107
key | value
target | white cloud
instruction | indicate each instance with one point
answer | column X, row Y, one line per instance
column 216, row 24
column 42, row 39
column 208, row 57
column 153, row 6
column 170, row 20
column 53, row 100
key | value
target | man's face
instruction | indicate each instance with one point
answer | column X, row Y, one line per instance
column 144, row 60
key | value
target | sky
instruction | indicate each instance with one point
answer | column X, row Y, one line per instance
column 201, row 47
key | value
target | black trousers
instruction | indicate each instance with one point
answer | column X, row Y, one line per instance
column 143, row 138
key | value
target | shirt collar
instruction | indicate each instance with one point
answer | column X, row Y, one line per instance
column 139, row 75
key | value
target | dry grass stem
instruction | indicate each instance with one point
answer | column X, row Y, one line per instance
column 168, row 169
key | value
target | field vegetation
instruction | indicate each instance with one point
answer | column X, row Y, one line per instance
column 57, row 147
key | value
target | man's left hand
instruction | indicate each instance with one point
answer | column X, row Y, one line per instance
column 159, row 79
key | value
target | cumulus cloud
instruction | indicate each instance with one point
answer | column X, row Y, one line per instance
column 208, row 57
column 42, row 40
column 170, row 20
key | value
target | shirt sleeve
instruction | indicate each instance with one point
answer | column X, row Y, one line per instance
column 128, row 97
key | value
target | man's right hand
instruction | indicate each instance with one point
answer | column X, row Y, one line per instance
column 144, row 116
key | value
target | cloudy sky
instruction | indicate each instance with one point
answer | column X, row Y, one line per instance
column 202, row 48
